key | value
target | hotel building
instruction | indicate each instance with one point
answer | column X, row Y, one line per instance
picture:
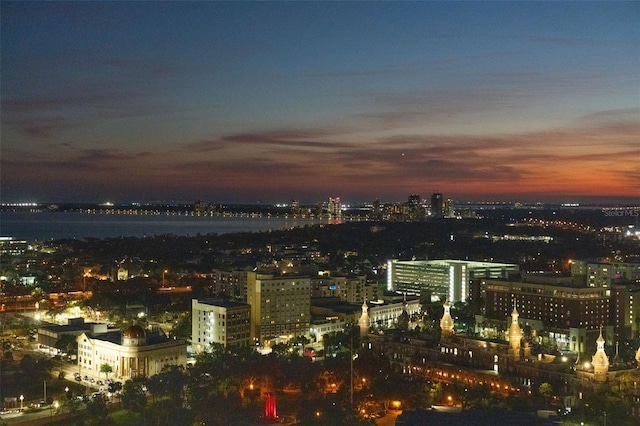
column 572, row 315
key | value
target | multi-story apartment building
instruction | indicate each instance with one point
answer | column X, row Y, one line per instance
column 334, row 209
column 604, row 274
column 229, row 283
column 280, row 305
column 446, row 279
column 353, row 289
column 219, row 321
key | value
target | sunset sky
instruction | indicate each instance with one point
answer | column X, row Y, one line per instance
column 274, row 101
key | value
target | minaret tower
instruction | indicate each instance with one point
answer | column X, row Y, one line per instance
column 515, row 335
column 446, row 323
column 600, row 361
column 364, row 322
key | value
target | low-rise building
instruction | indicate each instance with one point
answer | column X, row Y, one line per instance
column 134, row 352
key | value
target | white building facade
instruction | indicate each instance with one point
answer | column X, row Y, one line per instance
column 219, row 321
column 134, row 352
column 445, row 279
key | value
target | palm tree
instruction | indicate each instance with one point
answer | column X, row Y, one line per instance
column 545, row 390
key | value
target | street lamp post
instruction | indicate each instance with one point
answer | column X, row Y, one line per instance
column 51, row 407
column 164, row 271
column 21, row 402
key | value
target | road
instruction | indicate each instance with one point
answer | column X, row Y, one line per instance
column 388, row 419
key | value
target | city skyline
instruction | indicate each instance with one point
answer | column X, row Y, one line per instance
column 266, row 102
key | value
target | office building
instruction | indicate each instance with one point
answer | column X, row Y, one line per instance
column 445, row 279
column 219, row 321
column 280, row 305
column 437, row 205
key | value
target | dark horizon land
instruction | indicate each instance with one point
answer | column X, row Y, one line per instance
column 269, row 102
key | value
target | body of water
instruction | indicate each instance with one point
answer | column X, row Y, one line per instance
column 43, row 226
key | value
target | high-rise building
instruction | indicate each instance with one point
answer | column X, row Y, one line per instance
column 413, row 200
column 295, row 207
column 437, row 205
column 232, row 284
column 376, row 212
column 446, row 279
column 219, row 321
column 280, row 305
column 449, row 210
column 334, row 208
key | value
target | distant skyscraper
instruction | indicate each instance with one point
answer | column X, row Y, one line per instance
column 414, row 200
column 295, row 207
column 376, row 213
column 437, row 206
column 449, row 211
column 414, row 207
column 333, row 208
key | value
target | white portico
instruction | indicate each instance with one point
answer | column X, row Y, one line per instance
column 134, row 352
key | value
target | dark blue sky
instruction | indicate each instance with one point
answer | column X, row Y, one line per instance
column 270, row 101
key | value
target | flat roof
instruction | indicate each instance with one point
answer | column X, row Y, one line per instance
column 470, row 263
column 222, row 303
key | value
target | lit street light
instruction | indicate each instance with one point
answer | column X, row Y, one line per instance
column 163, row 272
column 21, row 402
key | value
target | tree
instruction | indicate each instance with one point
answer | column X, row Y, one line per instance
column 67, row 343
column 545, row 390
column 133, row 395
column 97, row 412
column 106, row 369
column 182, row 327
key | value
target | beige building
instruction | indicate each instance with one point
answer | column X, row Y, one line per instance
column 219, row 321
column 134, row 352
column 280, row 305
column 352, row 289
column 604, row 274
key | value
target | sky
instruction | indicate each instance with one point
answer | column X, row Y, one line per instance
column 273, row 101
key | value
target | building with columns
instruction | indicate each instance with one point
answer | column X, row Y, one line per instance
column 134, row 352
